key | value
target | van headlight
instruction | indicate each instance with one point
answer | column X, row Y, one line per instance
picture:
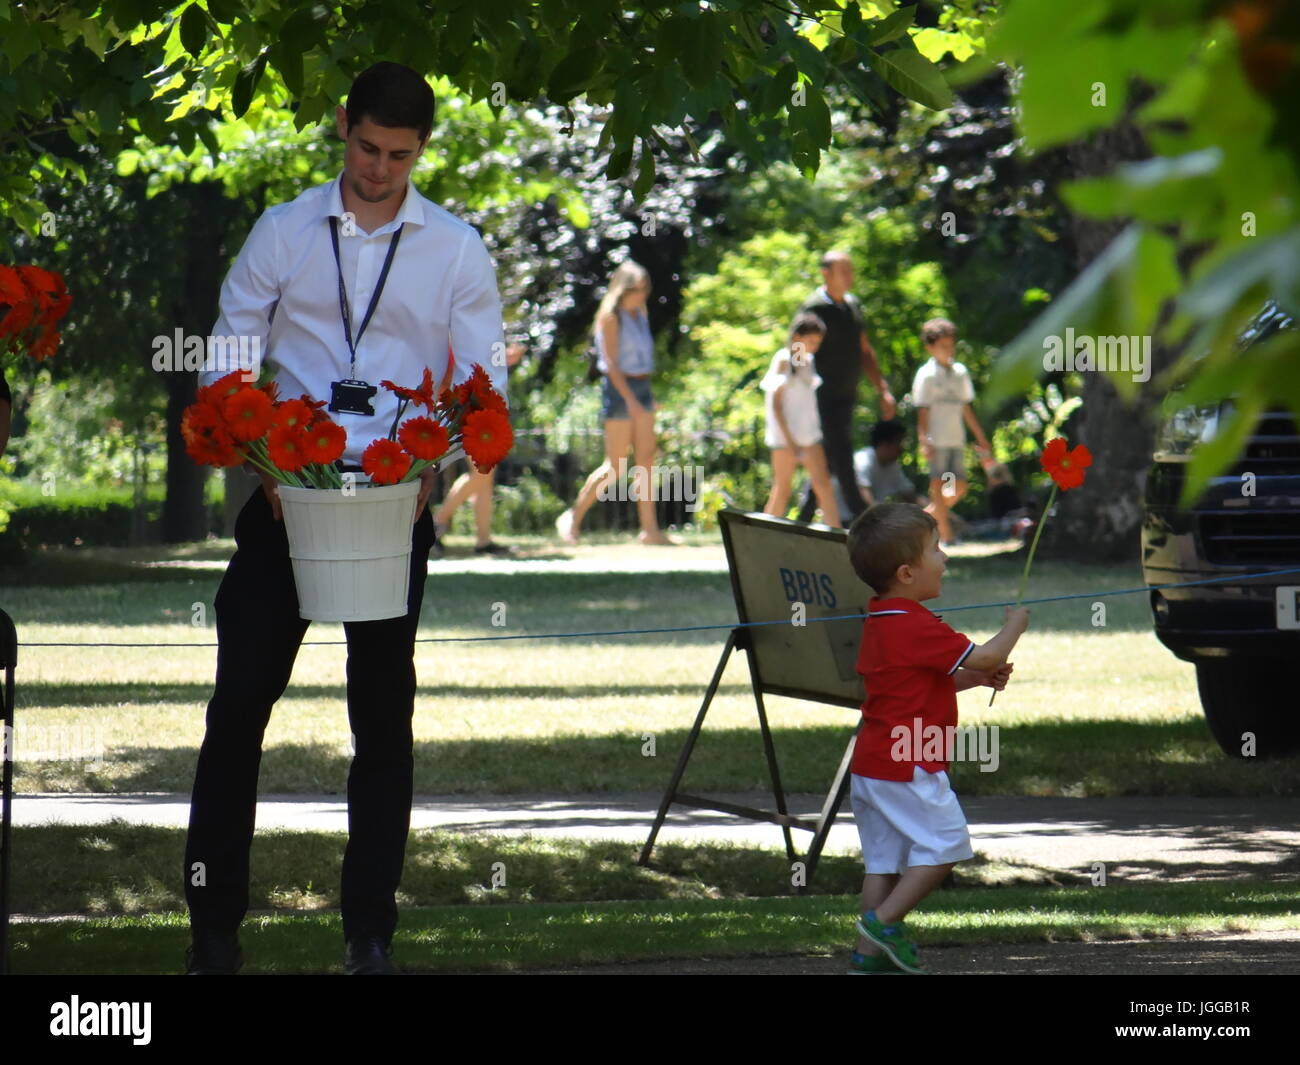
column 1184, row 430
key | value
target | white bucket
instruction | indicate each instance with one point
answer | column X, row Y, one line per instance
column 351, row 552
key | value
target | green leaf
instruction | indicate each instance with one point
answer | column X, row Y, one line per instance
column 911, row 74
column 892, row 26
column 573, row 74
column 226, row 11
column 645, row 178
column 812, row 118
column 209, row 139
column 288, row 61
column 194, row 30
column 1221, row 451
column 1021, row 362
column 245, row 85
column 619, row 163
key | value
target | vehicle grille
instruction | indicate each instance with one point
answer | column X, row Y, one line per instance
column 1273, row 448
column 1249, row 538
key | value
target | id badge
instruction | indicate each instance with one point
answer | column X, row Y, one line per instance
column 352, row 397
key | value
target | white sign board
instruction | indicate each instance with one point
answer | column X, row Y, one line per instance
column 787, row 572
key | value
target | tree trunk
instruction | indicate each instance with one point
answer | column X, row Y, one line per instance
column 208, row 218
column 1102, row 521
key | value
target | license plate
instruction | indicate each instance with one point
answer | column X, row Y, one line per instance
column 1288, row 607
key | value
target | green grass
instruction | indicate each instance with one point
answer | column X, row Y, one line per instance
column 571, row 715
column 507, row 937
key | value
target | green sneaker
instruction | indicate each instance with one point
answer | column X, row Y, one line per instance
column 892, row 939
column 871, row 965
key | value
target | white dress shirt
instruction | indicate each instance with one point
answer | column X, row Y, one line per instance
column 441, row 292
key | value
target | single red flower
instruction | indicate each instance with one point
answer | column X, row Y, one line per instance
column 423, row 395
column 1065, row 466
column 316, row 406
column 44, row 345
column 326, row 441
column 12, row 289
column 385, row 461
column 222, row 388
column 49, row 292
column 423, row 438
column 287, row 448
column 484, row 395
column 293, row 413
column 206, row 439
column 487, row 438
column 248, row 414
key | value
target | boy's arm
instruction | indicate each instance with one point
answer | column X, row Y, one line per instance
column 923, row 431
column 991, row 655
column 974, row 678
column 972, row 423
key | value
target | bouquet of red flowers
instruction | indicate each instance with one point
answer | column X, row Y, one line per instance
column 32, row 301
column 232, row 422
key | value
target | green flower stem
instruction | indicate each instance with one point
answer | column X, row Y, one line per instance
column 1024, row 577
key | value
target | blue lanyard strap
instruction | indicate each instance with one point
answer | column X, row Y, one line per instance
column 374, row 297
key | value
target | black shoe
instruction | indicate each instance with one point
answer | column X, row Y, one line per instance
column 494, row 548
column 213, row 954
column 368, row 956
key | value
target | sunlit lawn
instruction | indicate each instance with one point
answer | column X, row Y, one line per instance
column 1091, row 710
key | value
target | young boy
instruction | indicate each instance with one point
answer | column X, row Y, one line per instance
column 911, row 826
column 943, row 394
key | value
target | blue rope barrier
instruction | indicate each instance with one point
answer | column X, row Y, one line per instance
column 726, row 625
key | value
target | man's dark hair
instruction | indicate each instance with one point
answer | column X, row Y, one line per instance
column 391, row 95
column 887, row 432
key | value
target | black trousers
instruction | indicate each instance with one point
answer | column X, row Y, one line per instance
column 258, row 633
column 837, row 441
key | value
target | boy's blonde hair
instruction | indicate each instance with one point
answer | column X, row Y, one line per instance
column 886, row 536
column 936, row 328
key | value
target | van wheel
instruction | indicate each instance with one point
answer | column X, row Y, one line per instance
column 1255, row 695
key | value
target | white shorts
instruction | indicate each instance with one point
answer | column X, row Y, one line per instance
column 903, row 823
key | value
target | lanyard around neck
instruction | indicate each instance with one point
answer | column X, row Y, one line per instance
column 374, row 296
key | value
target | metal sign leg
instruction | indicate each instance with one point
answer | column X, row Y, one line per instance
column 689, row 746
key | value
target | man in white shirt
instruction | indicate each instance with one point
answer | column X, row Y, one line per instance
column 943, row 394
column 310, row 285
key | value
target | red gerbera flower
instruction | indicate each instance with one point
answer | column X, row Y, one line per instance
column 487, row 438
column 325, row 441
column 1065, row 466
column 248, row 414
column 422, row 395
column 385, row 461
column 206, row 439
column 222, row 388
column 423, row 438
column 287, row 448
column 293, row 413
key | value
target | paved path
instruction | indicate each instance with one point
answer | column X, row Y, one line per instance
column 1176, row 838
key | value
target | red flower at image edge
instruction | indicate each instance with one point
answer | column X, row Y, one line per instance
column 385, row 462
column 487, row 438
column 423, row 438
column 1065, row 466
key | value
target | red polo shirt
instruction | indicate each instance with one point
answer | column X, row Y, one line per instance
column 907, row 662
